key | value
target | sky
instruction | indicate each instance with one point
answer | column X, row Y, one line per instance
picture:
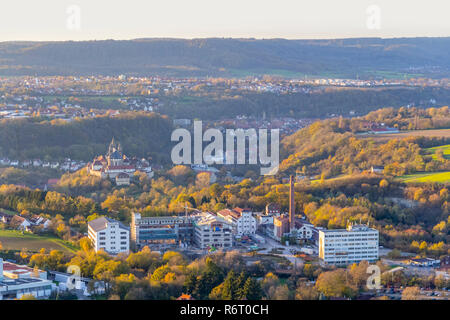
column 55, row 20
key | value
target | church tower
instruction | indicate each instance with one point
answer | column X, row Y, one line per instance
column 114, row 156
column 111, row 148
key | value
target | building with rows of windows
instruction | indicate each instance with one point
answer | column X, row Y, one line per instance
column 242, row 220
column 346, row 246
column 212, row 232
column 109, row 235
column 160, row 231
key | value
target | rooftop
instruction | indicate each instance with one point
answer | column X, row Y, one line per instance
column 351, row 228
column 14, row 271
column 207, row 218
column 102, row 223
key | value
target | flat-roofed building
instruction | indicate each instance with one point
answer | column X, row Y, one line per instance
column 109, row 235
column 171, row 230
column 211, row 232
column 346, row 246
column 17, row 280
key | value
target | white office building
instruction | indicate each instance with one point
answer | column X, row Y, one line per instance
column 346, row 246
column 242, row 220
column 109, row 235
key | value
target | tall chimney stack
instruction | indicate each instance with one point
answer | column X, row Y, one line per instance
column 291, row 204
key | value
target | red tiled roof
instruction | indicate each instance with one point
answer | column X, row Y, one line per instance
column 228, row 212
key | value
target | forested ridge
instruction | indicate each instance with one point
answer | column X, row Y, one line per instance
column 333, row 147
column 215, row 56
column 141, row 135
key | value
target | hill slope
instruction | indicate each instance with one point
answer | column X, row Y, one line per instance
column 227, row 57
column 141, row 135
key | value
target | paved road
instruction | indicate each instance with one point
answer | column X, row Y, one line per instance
column 286, row 251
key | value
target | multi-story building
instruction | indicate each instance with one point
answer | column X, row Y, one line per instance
column 109, row 235
column 160, row 230
column 211, row 232
column 242, row 220
column 17, row 280
column 346, row 246
column 301, row 229
column 280, row 226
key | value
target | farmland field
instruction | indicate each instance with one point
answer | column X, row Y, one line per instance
column 445, row 150
column 442, row 177
column 15, row 240
column 414, row 133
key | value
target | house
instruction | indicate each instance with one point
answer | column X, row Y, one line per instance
column 37, row 220
column 54, row 165
column 424, row 262
column 37, row 163
column 302, row 230
column 20, row 223
column 26, row 163
column 14, row 163
column 5, row 218
column 376, row 169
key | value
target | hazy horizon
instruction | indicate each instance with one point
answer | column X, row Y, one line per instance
column 83, row 20
column 234, row 38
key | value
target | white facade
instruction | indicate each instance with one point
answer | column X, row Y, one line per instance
column 264, row 219
column 242, row 220
column 302, row 231
column 346, row 246
column 246, row 224
column 109, row 235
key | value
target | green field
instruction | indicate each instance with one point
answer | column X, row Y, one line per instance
column 445, row 150
column 15, row 240
column 442, row 177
